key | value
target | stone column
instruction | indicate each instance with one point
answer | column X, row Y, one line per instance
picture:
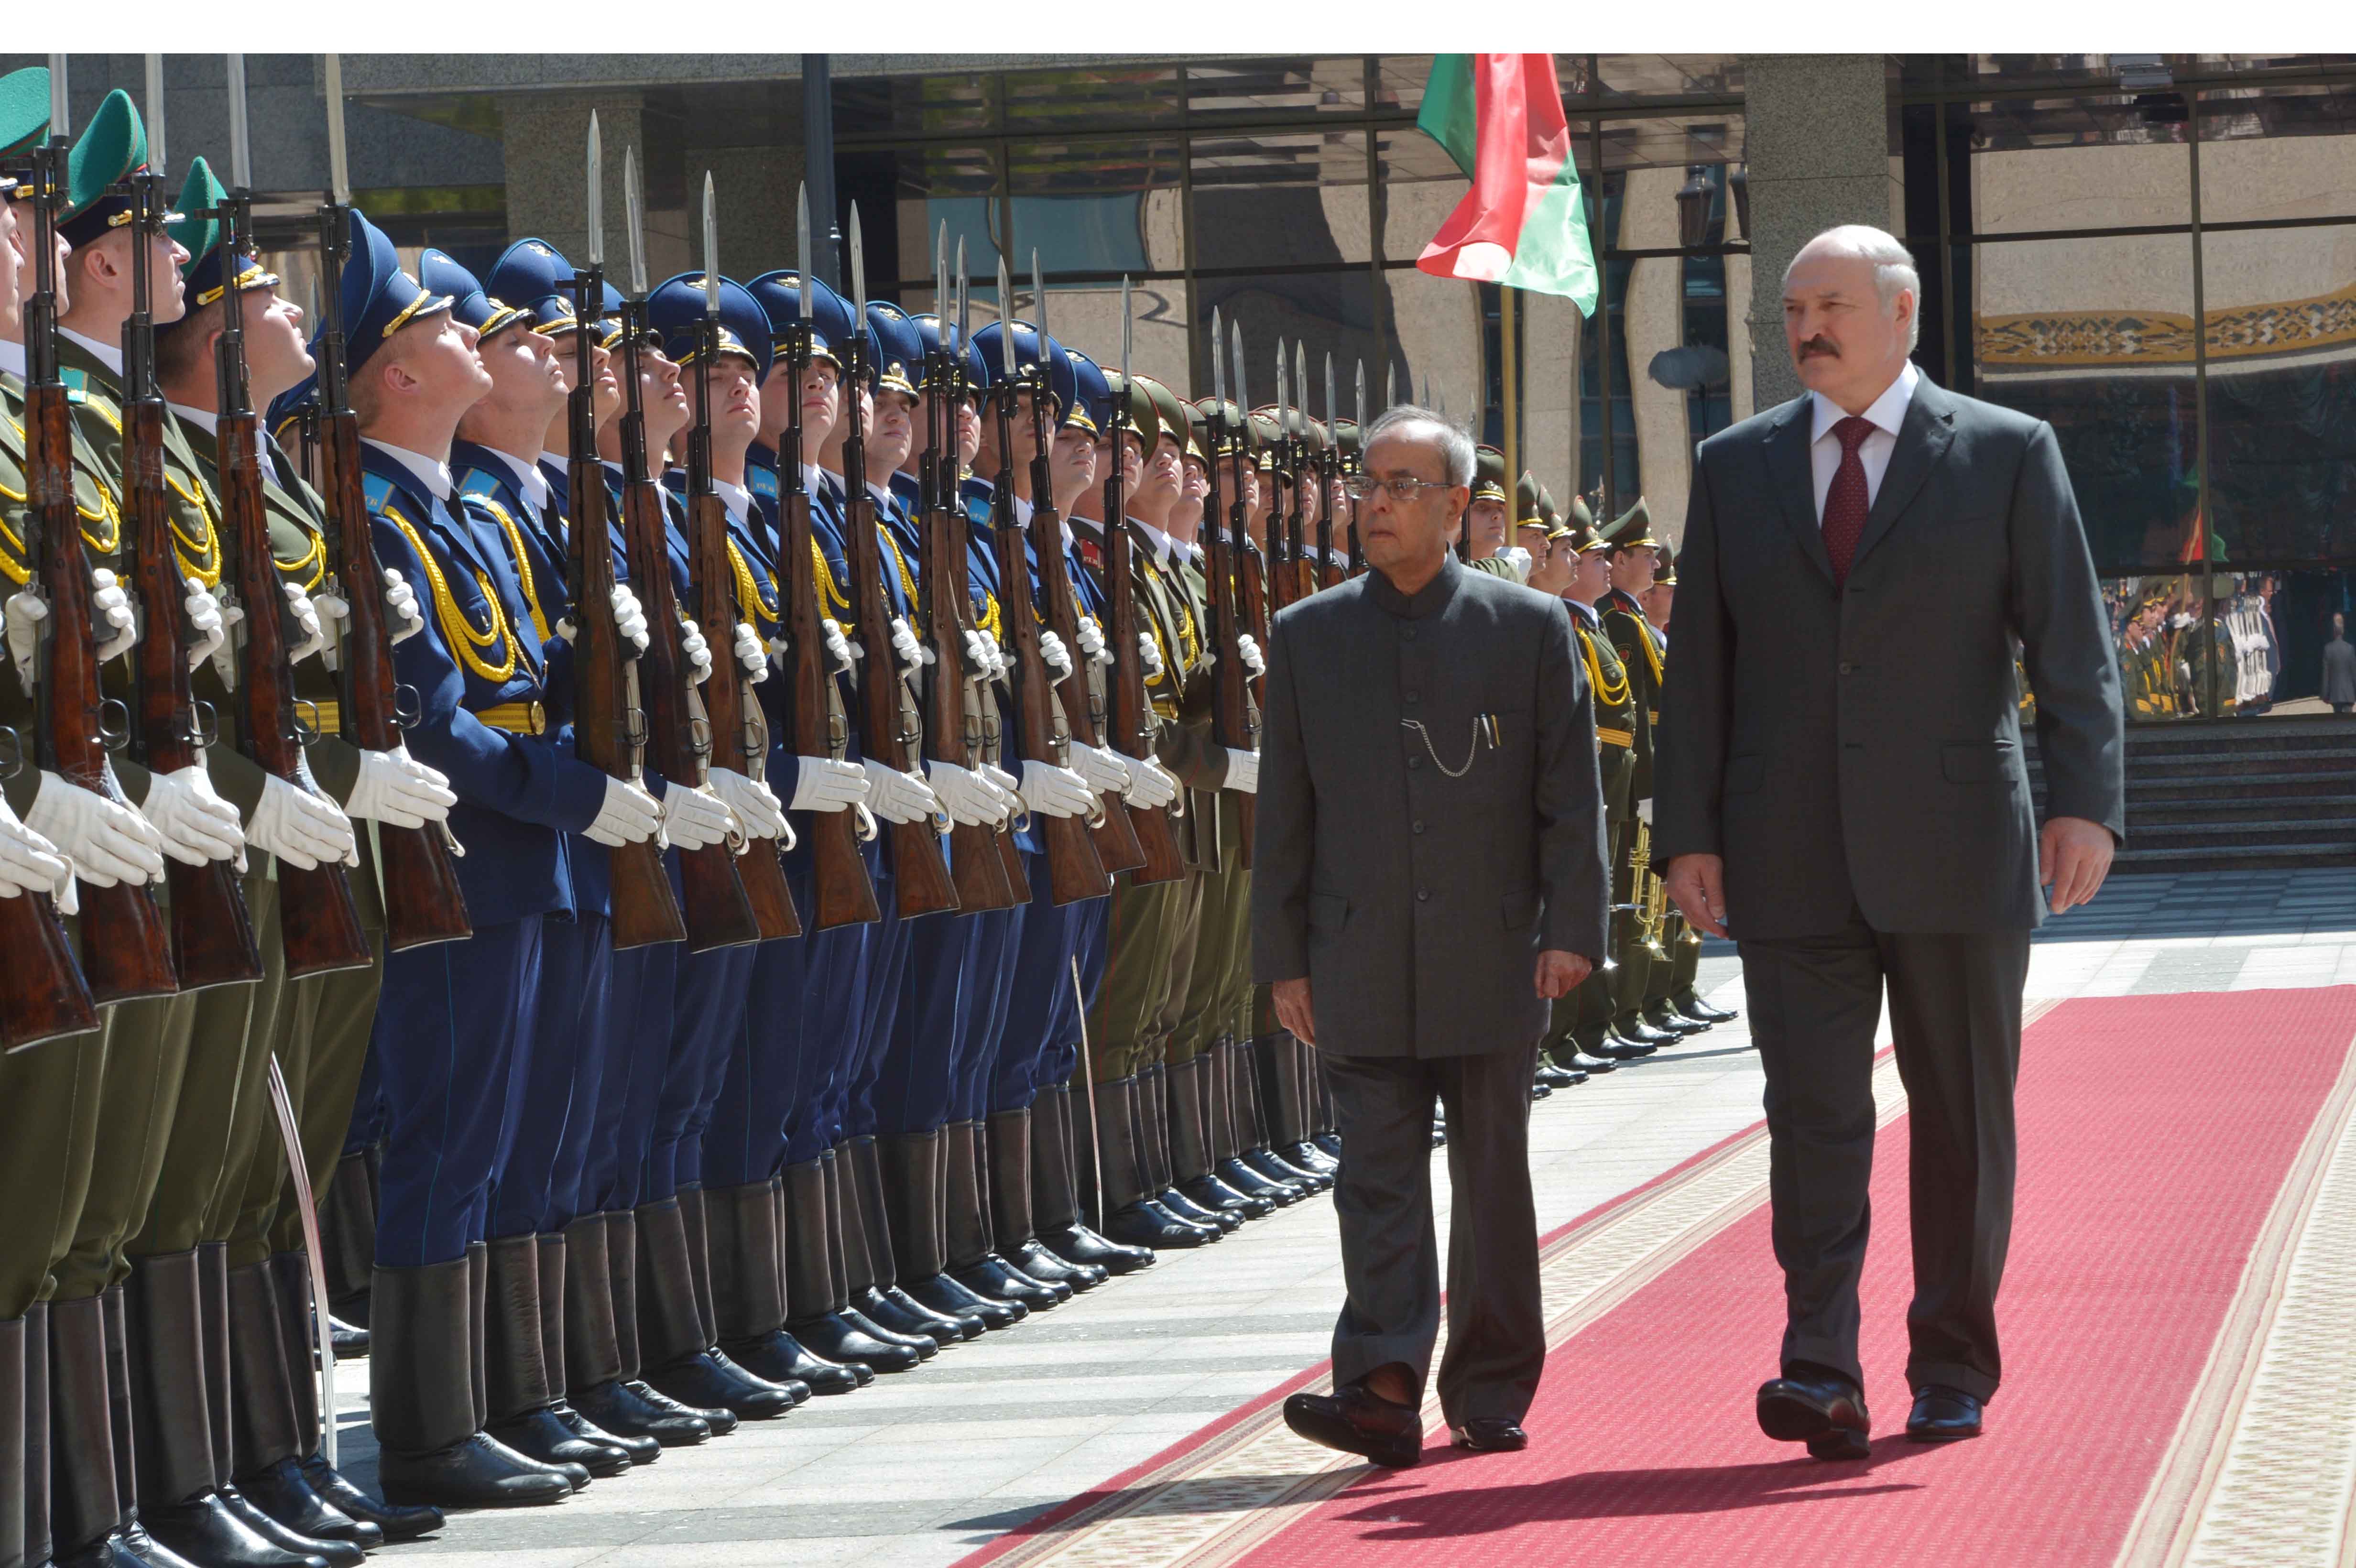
column 546, row 140
column 1817, row 136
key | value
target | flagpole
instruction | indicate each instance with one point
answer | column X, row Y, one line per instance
column 1511, row 440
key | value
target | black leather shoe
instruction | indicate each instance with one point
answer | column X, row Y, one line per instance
column 204, row 1530
column 1253, row 1182
column 479, row 1472
column 1819, row 1408
column 286, row 1495
column 1551, row 1077
column 1207, row 1191
column 618, row 1407
column 1490, row 1435
column 1623, row 1045
column 1689, row 1002
column 1632, row 1028
column 1225, row 1221
column 834, row 1338
column 784, row 1360
column 400, row 1521
column 945, row 1292
column 1307, row 1155
column 1942, row 1415
column 350, row 1343
column 993, row 1276
column 897, row 1310
column 641, row 1450
column 1150, row 1226
column 543, row 1435
column 1356, row 1422
column 1576, row 1059
column 142, row 1550
column 334, row 1553
column 1039, row 1261
column 1331, row 1143
column 1541, row 1090
column 1076, row 1243
column 1270, row 1164
column 719, row 1417
column 856, row 1314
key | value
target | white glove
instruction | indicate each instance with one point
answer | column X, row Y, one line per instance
column 1254, row 660
column 400, row 606
column 753, row 660
column 1051, row 791
column 1150, row 652
column 1101, row 769
column 107, row 842
column 301, row 829
column 757, row 809
column 695, row 818
column 402, row 617
column 197, row 825
column 1007, row 786
column 204, row 613
column 1092, row 642
column 629, row 620
column 25, row 611
column 838, row 648
column 978, row 660
column 111, row 614
column 306, row 622
column 1243, row 772
column 996, row 654
column 1056, row 656
column 28, row 862
column 630, row 815
column 904, row 643
column 397, row 789
column 1150, row 785
column 822, row 783
column 896, row 797
column 697, row 651
column 971, row 800
column 1519, row 560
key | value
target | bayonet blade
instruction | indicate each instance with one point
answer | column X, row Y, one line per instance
column 634, row 209
column 858, row 268
column 1427, row 388
column 941, row 280
column 1300, row 388
column 1038, row 301
column 596, row 220
column 1362, row 403
column 1235, row 352
column 1126, row 321
column 1329, row 392
column 1005, row 320
column 1283, row 423
column 339, row 174
column 711, row 250
column 60, row 122
column 965, row 299
column 241, row 141
column 155, row 113
column 1390, row 386
column 802, row 256
column 1218, row 370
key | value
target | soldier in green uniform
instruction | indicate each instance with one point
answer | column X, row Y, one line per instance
column 1675, row 1001
column 1485, row 518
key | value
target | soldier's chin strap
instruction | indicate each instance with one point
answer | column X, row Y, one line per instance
column 292, row 1136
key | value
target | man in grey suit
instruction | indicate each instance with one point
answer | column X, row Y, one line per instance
column 1859, row 817
column 1429, row 876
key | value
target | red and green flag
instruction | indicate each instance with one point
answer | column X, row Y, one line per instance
column 1523, row 224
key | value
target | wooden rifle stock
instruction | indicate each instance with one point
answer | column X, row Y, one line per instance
column 42, row 994
column 887, row 727
column 845, row 893
column 1128, row 712
column 738, row 729
column 953, row 728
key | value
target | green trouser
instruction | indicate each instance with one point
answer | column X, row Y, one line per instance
column 1684, row 958
column 49, row 1100
column 1177, row 973
column 146, row 1053
column 322, row 1046
column 1141, row 927
column 1218, row 980
column 221, row 1082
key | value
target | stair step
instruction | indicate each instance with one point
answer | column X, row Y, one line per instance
column 2327, row 813
column 2238, row 858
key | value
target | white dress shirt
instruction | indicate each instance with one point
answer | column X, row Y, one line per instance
column 433, row 475
column 737, row 499
column 1888, row 413
column 108, row 354
column 528, row 479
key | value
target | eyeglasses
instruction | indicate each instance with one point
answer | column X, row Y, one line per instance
column 1363, row 486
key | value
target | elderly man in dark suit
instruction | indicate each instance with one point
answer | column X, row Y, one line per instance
column 1429, row 876
column 1859, row 817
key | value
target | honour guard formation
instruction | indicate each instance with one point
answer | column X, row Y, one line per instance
column 657, row 847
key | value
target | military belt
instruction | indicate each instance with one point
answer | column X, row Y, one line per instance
column 516, row 718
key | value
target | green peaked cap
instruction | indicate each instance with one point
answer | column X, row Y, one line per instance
column 24, row 110
column 196, row 225
column 113, row 146
column 1633, row 530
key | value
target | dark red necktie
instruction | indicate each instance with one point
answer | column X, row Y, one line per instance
column 1847, row 503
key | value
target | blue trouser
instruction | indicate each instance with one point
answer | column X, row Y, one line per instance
column 831, row 1002
column 1040, row 1010
column 639, row 1009
column 995, row 948
column 889, row 948
column 450, row 1037
column 912, row 1094
column 368, row 1106
column 747, row 1140
column 708, row 1015
column 599, row 1047
column 558, row 1079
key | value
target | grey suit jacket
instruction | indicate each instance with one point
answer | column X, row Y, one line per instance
column 1862, row 748
column 1416, row 900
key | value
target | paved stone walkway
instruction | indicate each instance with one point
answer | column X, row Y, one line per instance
column 922, row 1467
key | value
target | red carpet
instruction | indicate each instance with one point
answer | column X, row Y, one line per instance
column 2156, row 1136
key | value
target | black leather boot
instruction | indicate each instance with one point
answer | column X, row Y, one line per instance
column 554, row 1260
column 748, row 1293
column 519, row 1407
column 886, row 1301
column 972, row 1262
column 1060, row 1159
column 863, row 1304
column 672, row 1349
column 291, row 1274
column 266, row 1429
column 422, row 1399
column 348, row 1237
column 1237, row 1117
column 813, row 1302
column 918, row 1193
column 85, row 1509
column 35, row 1536
column 1007, row 1137
column 1154, row 1150
column 213, row 1294
column 162, row 1426
column 13, row 1476
column 1192, row 1087
column 1132, row 1217
column 622, row 1269
column 594, row 1370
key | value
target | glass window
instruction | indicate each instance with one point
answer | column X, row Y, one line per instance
column 2282, row 392
column 2281, row 626
column 1671, row 76
column 897, row 106
column 2045, row 164
column 931, row 186
column 1275, row 88
column 1097, row 207
column 2279, row 151
column 1328, row 313
column 1672, row 175
column 1419, row 186
column 2095, row 335
column 2157, row 625
column 1553, row 333
column 1266, row 200
column 1092, row 96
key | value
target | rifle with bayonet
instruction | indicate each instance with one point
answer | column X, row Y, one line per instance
column 952, row 705
column 1129, row 712
column 737, row 723
column 1116, row 846
column 1304, row 474
column 1234, row 723
column 318, row 919
column 1074, row 870
column 212, row 933
column 717, row 912
column 1283, row 504
column 43, row 992
column 889, row 731
column 992, row 711
column 609, row 727
column 1354, row 466
column 415, row 868
column 845, row 893
column 1329, row 462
